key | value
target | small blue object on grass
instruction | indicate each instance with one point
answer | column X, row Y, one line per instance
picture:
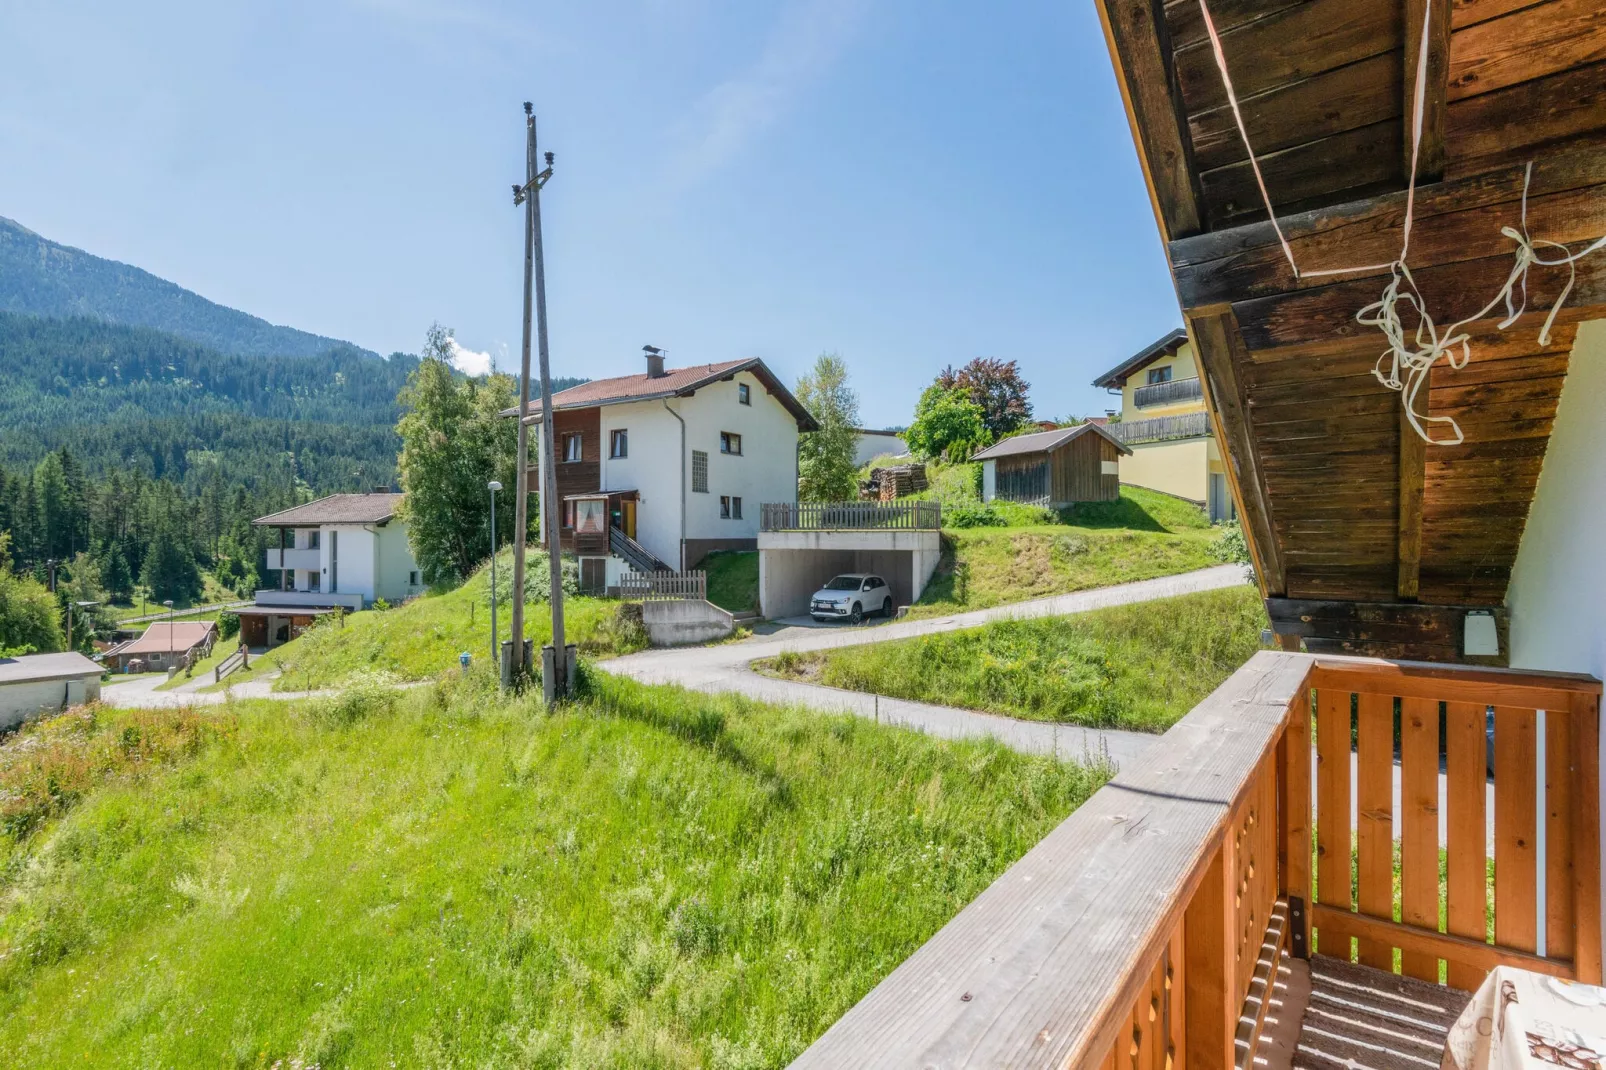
column 463, row 659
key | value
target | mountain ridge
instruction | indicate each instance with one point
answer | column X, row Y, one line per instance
column 40, row 277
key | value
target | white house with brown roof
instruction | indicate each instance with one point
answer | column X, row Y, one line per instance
column 341, row 551
column 658, row 469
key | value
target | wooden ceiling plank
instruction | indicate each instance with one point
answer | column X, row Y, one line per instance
column 1187, row 25
column 1345, row 98
column 1219, row 349
column 1412, row 472
column 1526, row 44
column 1327, row 170
column 1464, row 13
column 1430, row 154
column 1487, row 132
column 1295, row 43
column 1140, row 48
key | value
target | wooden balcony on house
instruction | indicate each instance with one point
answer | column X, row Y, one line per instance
column 1200, row 910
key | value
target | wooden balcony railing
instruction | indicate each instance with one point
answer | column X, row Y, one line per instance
column 850, row 516
column 1168, row 393
column 1144, row 931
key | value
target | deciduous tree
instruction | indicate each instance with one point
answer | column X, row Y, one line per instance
column 997, row 388
column 454, row 441
column 825, row 468
column 947, row 424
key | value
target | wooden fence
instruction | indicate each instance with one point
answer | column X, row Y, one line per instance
column 1145, row 930
column 240, row 659
column 664, row 586
column 849, row 516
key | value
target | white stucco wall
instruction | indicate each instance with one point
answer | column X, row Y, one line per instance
column 354, row 546
column 1557, row 596
column 24, row 700
column 652, row 469
column 395, row 562
column 765, row 472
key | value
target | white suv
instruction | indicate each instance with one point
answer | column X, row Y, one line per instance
column 851, row 596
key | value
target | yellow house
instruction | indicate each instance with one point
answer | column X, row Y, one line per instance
column 1163, row 422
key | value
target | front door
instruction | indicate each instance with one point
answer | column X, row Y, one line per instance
column 628, row 517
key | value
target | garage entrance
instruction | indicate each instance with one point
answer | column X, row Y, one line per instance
column 801, row 546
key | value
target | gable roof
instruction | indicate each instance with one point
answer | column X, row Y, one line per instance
column 1164, row 347
column 1045, row 442
column 165, row 638
column 375, row 508
column 30, row 668
column 675, row 382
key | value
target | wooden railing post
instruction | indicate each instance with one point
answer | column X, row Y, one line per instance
column 1586, row 837
column 1211, row 1011
column 1294, row 813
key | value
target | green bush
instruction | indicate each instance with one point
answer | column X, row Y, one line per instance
column 1230, row 546
column 228, row 625
column 365, row 695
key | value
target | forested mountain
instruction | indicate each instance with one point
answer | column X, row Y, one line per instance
column 131, row 398
column 40, row 277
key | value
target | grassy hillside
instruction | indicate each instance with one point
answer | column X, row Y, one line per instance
column 732, row 579
column 650, row 878
column 422, row 639
column 1039, row 552
column 1138, row 667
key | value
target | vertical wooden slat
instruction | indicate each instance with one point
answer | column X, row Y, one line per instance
column 1296, row 807
column 1212, row 1016
column 1466, row 843
column 1515, row 878
column 1419, row 827
column 1332, row 808
column 1586, row 837
column 1177, row 986
column 1558, row 817
column 1374, row 803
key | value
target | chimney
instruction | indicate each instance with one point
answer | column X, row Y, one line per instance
column 655, row 362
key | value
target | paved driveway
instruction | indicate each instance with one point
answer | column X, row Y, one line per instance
column 724, row 667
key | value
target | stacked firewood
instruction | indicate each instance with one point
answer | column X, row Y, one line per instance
column 896, row 481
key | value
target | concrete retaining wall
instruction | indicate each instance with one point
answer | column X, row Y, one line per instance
column 682, row 621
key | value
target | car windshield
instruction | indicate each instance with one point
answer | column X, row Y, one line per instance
column 843, row 583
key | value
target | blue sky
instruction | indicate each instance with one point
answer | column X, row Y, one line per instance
column 908, row 184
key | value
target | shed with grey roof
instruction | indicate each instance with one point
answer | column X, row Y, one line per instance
column 32, row 685
column 1054, row 468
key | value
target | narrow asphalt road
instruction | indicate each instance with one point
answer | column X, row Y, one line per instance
column 725, row 667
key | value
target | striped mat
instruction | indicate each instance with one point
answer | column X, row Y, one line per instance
column 1364, row 1018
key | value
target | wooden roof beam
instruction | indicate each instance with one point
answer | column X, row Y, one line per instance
column 1219, row 348
column 1435, row 107
column 1140, row 49
column 1413, row 480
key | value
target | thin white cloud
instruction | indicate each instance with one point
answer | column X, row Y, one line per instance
column 802, row 45
column 469, row 362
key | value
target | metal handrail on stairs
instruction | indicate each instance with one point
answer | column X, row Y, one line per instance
column 634, row 554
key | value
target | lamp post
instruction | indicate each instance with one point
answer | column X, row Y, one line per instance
column 169, row 604
column 80, row 605
column 493, row 486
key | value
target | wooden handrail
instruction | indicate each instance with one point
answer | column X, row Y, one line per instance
column 1145, row 922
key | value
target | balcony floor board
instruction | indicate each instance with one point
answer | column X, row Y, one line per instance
column 1365, row 1018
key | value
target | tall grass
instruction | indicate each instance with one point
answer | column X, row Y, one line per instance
column 1137, row 667
column 649, row 878
column 422, row 638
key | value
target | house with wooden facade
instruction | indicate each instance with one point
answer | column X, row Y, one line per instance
column 1163, row 422
column 1054, row 468
column 656, row 470
column 1323, row 861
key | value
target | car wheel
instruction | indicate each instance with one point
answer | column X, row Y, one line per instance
column 857, row 616
column 886, row 606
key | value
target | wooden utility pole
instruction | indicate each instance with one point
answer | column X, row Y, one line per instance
column 529, row 195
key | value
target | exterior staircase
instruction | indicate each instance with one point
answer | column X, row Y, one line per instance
column 634, row 554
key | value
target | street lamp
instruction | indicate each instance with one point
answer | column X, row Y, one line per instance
column 493, row 486
column 80, row 605
column 168, row 602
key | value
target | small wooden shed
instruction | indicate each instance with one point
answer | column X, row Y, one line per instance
column 1054, row 468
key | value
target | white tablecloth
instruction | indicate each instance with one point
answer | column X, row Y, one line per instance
column 1519, row 1020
